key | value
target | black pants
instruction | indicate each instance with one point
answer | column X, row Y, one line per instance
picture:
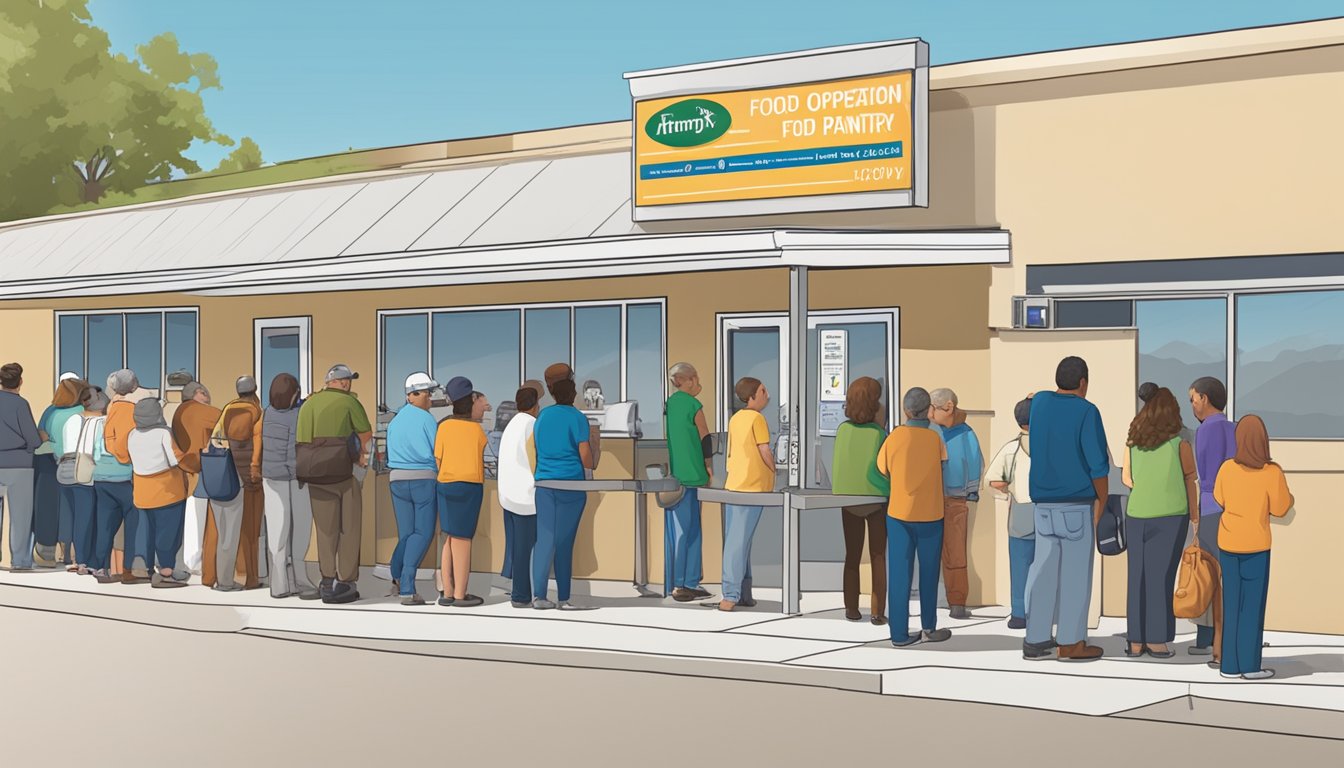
column 1154, row 551
column 521, row 542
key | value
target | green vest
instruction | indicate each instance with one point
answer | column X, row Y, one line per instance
column 1159, row 481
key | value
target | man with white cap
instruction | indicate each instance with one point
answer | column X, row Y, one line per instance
column 410, row 456
column 237, row 522
column 334, row 434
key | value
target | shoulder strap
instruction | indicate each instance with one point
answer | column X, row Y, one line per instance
column 1012, row 468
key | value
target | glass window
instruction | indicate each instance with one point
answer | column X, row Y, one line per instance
column 179, row 341
column 1094, row 314
column 104, row 348
column 1181, row 340
column 71, row 341
column 144, row 348
column 405, row 351
column 644, row 365
column 279, row 354
column 547, row 343
column 483, row 346
column 597, row 350
column 1290, row 362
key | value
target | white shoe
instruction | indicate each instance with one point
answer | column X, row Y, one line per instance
column 542, row 604
column 1226, row 676
column 1263, row 674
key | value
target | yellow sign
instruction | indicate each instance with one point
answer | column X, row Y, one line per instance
column 841, row 136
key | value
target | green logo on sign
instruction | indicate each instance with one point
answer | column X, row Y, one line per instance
column 689, row 123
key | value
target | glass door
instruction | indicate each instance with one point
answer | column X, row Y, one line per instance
column 283, row 345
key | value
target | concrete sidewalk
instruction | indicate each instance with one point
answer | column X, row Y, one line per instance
column 981, row 663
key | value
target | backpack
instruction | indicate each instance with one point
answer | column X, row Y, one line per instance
column 1111, row 528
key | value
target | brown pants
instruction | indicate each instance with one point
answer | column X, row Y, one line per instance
column 249, row 538
column 855, row 520
column 338, row 518
column 955, row 581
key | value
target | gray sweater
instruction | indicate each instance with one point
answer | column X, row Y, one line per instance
column 18, row 432
column 278, row 430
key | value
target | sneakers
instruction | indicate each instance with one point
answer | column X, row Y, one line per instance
column 470, row 601
column 542, row 604
column 234, row 587
column 1079, row 651
column 309, row 594
column 445, row 601
column 908, row 641
column 1227, row 676
column 1200, row 650
column 1016, row 622
column 959, row 612
column 566, row 605
column 1037, row 651
column 341, row 592
column 159, row 581
column 519, row 604
column 1263, row 674
column 683, row 595
column 412, row 600
column 936, row 635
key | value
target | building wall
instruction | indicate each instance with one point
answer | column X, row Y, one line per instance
column 942, row 344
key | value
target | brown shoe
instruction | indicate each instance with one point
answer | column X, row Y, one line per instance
column 1079, row 651
column 683, row 595
column 727, row 605
column 129, row 577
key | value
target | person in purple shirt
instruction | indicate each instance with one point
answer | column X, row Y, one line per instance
column 1215, row 443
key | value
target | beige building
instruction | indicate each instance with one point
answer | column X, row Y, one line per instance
column 1172, row 207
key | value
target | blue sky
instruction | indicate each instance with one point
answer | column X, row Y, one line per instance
column 312, row 77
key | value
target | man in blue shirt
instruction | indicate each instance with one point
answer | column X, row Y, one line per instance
column 1070, row 471
column 410, row 456
column 961, row 485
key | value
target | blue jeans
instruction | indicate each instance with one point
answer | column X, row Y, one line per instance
column 506, row 571
column 83, row 509
column 519, row 546
column 681, row 542
column 1020, row 554
column 1059, row 584
column 414, row 502
column 739, row 526
column 558, row 515
column 1245, row 590
column 165, row 531
column 905, row 540
column 115, row 508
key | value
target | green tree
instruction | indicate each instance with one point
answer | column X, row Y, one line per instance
column 246, row 157
column 78, row 122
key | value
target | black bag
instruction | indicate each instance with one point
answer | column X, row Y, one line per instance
column 1111, row 527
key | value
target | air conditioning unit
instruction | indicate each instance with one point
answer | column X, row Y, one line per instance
column 1033, row 312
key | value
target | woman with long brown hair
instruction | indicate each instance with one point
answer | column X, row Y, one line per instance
column 1251, row 489
column 53, row 523
column 1160, row 468
column 857, row 442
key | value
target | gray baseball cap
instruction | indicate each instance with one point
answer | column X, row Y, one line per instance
column 341, row 371
column 246, row 385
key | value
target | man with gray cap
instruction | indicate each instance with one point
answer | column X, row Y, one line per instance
column 237, row 522
column 193, row 421
column 334, row 434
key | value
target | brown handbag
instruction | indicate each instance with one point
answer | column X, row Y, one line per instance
column 1198, row 586
column 324, row 461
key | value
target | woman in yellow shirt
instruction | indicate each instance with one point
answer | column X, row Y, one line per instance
column 1251, row 489
column 751, row 469
column 459, row 447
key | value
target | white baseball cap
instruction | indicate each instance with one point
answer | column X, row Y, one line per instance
column 420, row 382
column 69, row 375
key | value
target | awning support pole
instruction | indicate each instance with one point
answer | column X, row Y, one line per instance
column 797, row 417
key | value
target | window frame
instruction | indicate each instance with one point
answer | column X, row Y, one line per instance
column 521, row 308
column 162, row 312
column 1230, row 296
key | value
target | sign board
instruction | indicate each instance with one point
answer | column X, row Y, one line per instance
column 834, row 366
column 830, row 129
column 829, row 418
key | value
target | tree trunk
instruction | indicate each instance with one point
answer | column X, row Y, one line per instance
column 91, row 191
